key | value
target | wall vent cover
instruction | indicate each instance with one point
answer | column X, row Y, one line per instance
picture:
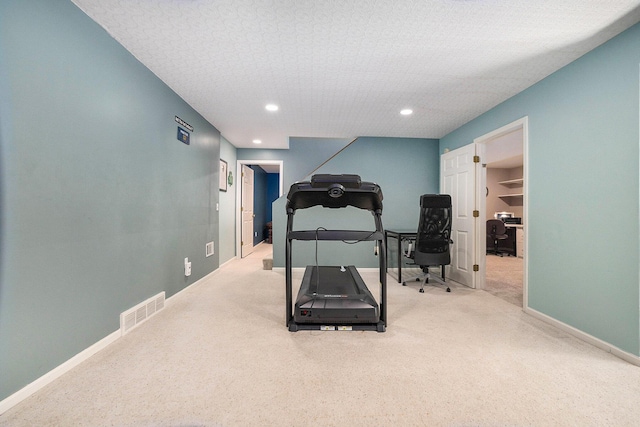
column 141, row 312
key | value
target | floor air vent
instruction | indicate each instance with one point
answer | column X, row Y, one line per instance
column 141, row 312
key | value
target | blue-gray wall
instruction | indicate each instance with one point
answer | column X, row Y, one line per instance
column 303, row 156
column 404, row 168
column 100, row 201
column 273, row 183
column 583, row 189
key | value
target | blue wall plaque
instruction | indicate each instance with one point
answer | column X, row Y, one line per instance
column 183, row 135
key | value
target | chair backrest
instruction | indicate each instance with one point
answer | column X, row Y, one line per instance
column 433, row 238
column 495, row 227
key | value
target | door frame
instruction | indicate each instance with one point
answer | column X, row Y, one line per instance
column 481, row 184
column 239, row 164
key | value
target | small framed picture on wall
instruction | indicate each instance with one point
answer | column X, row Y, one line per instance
column 223, row 175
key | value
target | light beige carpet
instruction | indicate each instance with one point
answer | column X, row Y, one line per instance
column 220, row 355
column 505, row 277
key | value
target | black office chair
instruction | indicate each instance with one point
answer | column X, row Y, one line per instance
column 433, row 239
column 496, row 231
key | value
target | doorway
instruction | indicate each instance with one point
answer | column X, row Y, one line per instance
column 502, row 191
column 244, row 228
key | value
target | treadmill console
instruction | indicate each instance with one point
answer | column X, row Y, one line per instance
column 335, row 191
column 325, row 180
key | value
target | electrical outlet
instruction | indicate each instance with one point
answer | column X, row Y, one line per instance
column 187, row 267
column 209, row 249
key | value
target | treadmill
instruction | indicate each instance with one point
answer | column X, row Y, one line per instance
column 335, row 297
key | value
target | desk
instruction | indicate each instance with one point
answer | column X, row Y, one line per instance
column 513, row 244
column 394, row 253
column 519, row 243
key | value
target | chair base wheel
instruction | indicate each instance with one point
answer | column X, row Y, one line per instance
column 422, row 291
column 404, row 283
column 448, row 289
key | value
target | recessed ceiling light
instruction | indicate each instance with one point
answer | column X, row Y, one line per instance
column 406, row 111
column 257, row 141
column 271, row 107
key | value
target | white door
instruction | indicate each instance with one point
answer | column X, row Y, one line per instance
column 458, row 172
column 247, row 211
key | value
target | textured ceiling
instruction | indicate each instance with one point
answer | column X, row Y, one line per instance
column 345, row 68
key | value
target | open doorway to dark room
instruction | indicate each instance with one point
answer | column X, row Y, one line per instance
column 266, row 191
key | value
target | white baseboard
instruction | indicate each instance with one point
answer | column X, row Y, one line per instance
column 597, row 342
column 57, row 372
column 227, row 262
column 65, row 367
column 198, row 282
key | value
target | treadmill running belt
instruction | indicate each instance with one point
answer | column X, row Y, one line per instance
column 337, row 295
column 333, row 281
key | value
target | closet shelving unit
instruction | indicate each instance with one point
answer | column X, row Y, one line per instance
column 513, row 197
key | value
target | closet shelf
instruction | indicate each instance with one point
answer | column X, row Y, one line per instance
column 512, row 199
column 512, row 183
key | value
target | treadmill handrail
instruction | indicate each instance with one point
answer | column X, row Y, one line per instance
column 322, row 234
